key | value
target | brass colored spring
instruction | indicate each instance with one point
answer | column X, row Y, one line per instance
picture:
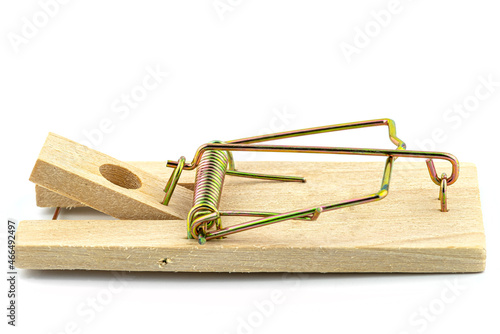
column 208, row 184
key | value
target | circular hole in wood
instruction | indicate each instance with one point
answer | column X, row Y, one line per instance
column 120, row 176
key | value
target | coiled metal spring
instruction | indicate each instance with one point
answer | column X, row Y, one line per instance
column 208, row 186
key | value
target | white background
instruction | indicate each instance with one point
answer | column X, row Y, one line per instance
column 243, row 68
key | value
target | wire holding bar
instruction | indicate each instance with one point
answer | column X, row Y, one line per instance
column 334, row 150
column 214, row 161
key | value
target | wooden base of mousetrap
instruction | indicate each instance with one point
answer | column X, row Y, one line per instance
column 405, row 232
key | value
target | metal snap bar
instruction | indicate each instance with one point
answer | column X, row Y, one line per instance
column 214, row 160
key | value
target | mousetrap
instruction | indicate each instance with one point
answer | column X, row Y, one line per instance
column 214, row 215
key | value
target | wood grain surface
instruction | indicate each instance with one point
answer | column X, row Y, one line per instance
column 405, row 232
